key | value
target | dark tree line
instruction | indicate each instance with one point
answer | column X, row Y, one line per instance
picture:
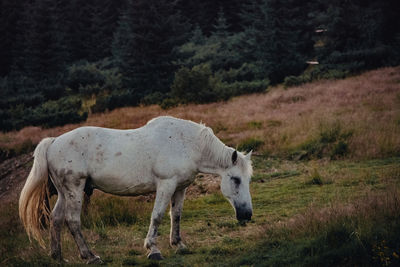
column 57, row 56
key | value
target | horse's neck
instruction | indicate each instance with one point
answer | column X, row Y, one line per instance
column 215, row 155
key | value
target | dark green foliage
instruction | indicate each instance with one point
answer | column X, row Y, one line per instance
column 10, row 15
column 92, row 78
column 169, row 103
column 315, row 178
column 359, row 35
column 125, row 52
column 118, row 98
column 194, row 85
column 144, row 44
column 280, row 47
column 60, row 112
column 154, row 98
column 292, row 81
column 85, row 79
column 250, row 144
column 331, row 141
column 49, row 114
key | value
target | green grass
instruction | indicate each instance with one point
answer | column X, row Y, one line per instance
column 301, row 217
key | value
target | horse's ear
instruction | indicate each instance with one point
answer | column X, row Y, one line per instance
column 234, row 157
column 248, row 155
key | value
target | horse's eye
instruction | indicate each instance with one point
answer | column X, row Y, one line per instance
column 236, row 180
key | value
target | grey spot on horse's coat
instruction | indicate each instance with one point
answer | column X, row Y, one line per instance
column 77, row 182
column 61, row 172
column 69, row 172
column 118, row 154
column 69, row 161
column 71, row 143
column 99, row 156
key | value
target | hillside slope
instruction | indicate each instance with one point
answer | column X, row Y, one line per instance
column 315, row 211
column 367, row 107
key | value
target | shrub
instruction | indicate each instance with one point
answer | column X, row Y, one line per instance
column 250, row 144
column 92, row 78
column 255, row 124
column 315, row 178
column 169, row 103
column 227, row 90
column 331, row 141
column 194, row 85
column 246, row 72
column 60, row 112
column 115, row 99
column 153, row 98
column 293, row 81
column 340, row 149
column 82, row 75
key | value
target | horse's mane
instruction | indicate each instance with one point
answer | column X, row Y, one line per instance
column 212, row 149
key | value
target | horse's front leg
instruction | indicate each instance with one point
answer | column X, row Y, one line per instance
column 165, row 190
column 175, row 213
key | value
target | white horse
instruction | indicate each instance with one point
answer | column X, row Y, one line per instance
column 162, row 156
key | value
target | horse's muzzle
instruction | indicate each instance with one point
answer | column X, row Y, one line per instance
column 243, row 213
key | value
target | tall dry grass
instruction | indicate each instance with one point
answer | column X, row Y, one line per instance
column 367, row 105
column 364, row 213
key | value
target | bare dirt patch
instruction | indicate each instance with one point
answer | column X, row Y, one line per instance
column 13, row 173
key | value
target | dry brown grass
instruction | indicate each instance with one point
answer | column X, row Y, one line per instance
column 373, row 207
column 367, row 105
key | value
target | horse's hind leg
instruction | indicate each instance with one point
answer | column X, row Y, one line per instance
column 74, row 198
column 56, row 223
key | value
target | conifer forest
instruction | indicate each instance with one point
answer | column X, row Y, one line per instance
column 64, row 59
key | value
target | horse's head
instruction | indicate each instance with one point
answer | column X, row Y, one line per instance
column 235, row 185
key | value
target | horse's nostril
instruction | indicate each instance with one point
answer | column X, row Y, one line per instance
column 243, row 214
column 249, row 214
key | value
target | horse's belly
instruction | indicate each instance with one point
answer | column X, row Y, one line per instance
column 113, row 183
column 118, row 186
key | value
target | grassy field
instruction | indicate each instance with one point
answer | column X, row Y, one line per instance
column 325, row 188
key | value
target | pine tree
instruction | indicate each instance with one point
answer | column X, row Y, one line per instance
column 274, row 34
column 10, row 14
column 104, row 16
column 44, row 51
column 221, row 28
column 78, row 32
column 359, row 34
column 144, row 45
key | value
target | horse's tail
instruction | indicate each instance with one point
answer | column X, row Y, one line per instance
column 33, row 210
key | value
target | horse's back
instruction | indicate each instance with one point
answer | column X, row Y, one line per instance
column 128, row 161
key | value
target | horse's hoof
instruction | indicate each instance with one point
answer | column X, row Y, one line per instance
column 95, row 260
column 155, row 256
column 56, row 256
column 182, row 251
